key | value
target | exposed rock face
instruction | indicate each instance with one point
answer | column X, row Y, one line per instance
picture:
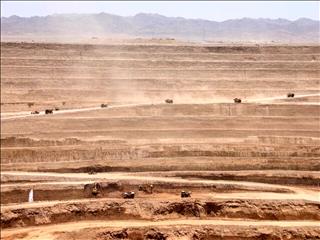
column 197, row 233
column 154, row 210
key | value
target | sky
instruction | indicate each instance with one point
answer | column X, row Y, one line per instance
column 211, row 10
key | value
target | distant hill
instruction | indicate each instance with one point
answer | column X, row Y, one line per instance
column 154, row 25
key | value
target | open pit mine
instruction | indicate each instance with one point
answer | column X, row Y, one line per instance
column 160, row 141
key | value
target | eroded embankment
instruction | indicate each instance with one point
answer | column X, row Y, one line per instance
column 209, row 232
column 102, row 209
column 167, row 164
column 170, row 230
column 75, row 155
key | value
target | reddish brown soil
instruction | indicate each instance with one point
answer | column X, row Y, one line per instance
column 203, row 142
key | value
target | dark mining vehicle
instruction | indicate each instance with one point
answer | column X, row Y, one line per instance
column 96, row 189
column 290, row 95
column 128, row 195
column 169, row 101
column 49, row 111
column 237, row 100
column 185, row 194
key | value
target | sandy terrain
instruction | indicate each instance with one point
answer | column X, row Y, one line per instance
column 252, row 168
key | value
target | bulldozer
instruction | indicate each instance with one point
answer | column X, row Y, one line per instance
column 185, row 194
column 129, row 195
column 290, row 95
column 96, row 189
column 49, row 111
column 237, row 100
column 170, row 101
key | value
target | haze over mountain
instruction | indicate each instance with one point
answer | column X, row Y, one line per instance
column 155, row 26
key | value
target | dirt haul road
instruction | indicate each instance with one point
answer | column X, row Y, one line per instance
column 134, row 176
column 17, row 115
column 58, row 182
column 271, row 99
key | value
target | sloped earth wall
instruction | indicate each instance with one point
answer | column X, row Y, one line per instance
column 103, row 209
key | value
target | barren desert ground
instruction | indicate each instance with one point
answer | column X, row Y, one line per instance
column 252, row 167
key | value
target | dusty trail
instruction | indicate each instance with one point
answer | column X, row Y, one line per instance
column 263, row 100
column 124, row 176
column 48, row 232
column 24, row 115
column 165, row 197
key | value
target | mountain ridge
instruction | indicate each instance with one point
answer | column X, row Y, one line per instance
column 156, row 25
